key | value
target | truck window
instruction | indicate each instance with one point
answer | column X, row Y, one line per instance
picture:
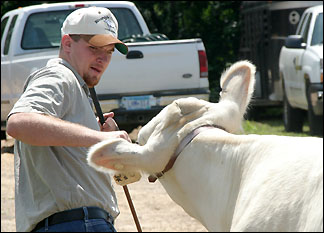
column 3, row 25
column 300, row 27
column 127, row 23
column 305, row 33
column 317, row 37
column 43, row 30
column 9, row 34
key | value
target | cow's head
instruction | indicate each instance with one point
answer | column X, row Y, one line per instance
column 159, row 138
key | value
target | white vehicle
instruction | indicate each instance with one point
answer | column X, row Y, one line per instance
column 136, row 87
column 301, row 71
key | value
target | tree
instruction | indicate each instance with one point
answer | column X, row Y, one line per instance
column 11, row 5
column 215, row 22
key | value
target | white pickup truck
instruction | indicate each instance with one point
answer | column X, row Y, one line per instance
column 136, row 87
column 301, row 70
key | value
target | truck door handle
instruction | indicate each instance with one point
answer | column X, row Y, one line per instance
column 135, row 54
column 297, row 67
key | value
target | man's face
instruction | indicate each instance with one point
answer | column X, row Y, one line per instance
column 89, row 61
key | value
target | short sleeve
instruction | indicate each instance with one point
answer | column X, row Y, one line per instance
column 47, row 91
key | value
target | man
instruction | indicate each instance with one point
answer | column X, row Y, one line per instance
column 54, row 124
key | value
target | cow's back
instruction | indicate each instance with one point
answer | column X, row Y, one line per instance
column 282, row 188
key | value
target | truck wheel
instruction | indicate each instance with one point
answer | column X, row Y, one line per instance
column 3, row 135
column 293, row 117
column 315, row 123
column 128, row 128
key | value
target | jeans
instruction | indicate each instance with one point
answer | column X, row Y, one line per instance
column 85, row 225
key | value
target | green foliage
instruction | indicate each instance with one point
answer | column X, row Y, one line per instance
column 215, row 22
column 11, row 5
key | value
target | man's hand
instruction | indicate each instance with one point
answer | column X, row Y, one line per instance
column 117, row 134
column 110, row 124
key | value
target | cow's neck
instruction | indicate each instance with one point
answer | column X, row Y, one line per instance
column 206, row 179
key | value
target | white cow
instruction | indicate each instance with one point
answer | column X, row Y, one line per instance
column 227, row 182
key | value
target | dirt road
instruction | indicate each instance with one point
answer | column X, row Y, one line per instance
column 155, row 209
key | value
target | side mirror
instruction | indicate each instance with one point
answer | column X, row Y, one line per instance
column 295, row 41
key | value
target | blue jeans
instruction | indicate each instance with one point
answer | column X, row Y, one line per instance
column 85, row 225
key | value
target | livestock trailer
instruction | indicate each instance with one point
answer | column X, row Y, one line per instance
column 264, row 27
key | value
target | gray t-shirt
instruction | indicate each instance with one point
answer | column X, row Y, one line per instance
column 50, row 179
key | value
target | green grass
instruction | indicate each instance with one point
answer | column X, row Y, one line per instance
column 272, row 126
column 268, row 121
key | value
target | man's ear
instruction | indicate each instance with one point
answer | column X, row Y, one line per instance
column 66, row 43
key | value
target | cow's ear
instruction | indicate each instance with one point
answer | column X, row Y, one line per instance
column 237, row 84
column 189, row 105
column 115, row 155
column 122, row 156
column 168, row 116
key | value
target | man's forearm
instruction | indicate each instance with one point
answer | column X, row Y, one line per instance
column 42, row 130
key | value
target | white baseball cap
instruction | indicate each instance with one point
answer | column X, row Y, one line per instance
column 96, row 21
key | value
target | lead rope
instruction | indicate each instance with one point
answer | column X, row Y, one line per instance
column 102, row 121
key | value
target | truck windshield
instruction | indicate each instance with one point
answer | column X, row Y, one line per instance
column 317, row 37
column 43, row 29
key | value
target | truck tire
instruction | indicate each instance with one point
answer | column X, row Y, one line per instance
column 3, row 135
column 293, row 118
column 315, row 123
column 128, row 128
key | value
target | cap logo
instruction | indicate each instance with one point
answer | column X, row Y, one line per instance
column 110, row 24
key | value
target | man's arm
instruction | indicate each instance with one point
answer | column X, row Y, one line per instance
column 43, row 130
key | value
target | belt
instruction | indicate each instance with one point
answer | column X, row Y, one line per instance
column 73, row 215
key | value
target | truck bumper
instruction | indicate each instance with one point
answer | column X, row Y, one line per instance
column 315, row 93
column 125, row 116
column 135, row 117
